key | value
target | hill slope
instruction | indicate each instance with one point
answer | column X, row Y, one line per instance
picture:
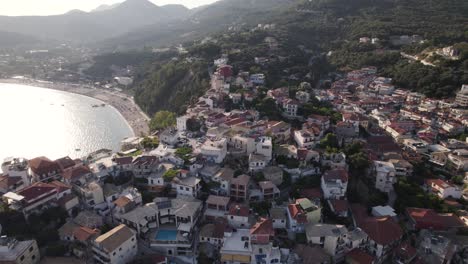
column 85, row 27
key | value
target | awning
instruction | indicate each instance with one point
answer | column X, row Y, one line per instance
column 185, row 227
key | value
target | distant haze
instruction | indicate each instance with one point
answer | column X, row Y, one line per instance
column 54, row 7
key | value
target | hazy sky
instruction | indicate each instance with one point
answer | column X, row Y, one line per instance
column 51, row 7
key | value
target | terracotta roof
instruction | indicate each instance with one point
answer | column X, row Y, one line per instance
column 296, row 212
column 6, row 181
column 75, row 173
column 239, row 210
column 43, row 165
column 440, row 183
column 382, row 230
column 84, row 233
column 65, row 163
column 123, row 160
column 339, row 205
column 122, row 201
column 430, row 219
column 61, row 187
column 34, row 191
column 263, row 227
column 338, row 174
column 359, row 256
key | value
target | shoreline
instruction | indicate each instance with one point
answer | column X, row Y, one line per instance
column 124, row 104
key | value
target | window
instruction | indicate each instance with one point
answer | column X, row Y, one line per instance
column 33, row 257
column 133, row 239
column 120, row 249
column 181, row 188
column 113, row 254
column 22, row 258
column 232, row 217
column 31, row 249
column 187, row 189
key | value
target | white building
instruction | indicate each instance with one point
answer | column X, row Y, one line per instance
column 290, row 107
column 385, row 176
column 257, row 162
column 336, row 240
column 334, row 184
column 214, row 150
column 189, row 186
column 182, row 123
column 169, row 137
column 264, row 146
column 443, row 189
column 306, row 138
column 118, row 246
column 237, row 247
column 16, row 252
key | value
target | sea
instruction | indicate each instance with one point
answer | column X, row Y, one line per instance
column 43, row 122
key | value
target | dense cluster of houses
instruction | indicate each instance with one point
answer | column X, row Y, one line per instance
column 208, row 200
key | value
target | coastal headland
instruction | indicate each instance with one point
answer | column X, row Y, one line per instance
column 122, row 102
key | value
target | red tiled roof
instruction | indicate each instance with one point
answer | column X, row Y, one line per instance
column 38, row 189
column 440, row 183
column 430, row 219
column 263, row 227
column 61, row 187
column 339, row 205
column 65, row 163
column 6, row 181
column 74, row 173
column 84, row 233
column 359, row 256
column 43, row 165
column 122, row 201
column 382, row 230
column 123, row 160
column 296, row 212
column 338, row 174
column 239, row 210
column 311, row 193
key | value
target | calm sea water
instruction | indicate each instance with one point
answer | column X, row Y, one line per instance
column 43, row 122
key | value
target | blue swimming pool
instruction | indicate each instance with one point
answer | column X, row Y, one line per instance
column 166, row 235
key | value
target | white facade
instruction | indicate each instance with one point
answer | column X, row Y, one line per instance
column 181, row 123
column 265, row 147
column 385, row 176
column 334, row 187
column 118, row 246
column 215, row 151
column 305, row 139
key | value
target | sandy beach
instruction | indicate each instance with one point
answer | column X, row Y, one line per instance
column 123, row 103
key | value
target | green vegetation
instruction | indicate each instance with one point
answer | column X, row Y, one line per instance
column 162, row 120
column 150, row 142
column 184, row 153
column 170, row 85
column 44, row 229
column 170, row 174
column 411, row 195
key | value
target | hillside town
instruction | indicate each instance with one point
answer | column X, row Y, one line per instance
column 377, row 174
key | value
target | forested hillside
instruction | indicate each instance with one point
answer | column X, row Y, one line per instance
column 315, row 38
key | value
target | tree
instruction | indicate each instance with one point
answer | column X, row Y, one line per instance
column 330, row 141
column 170, row 174
column 150, row 142
column 162, row 120
column 184, row 153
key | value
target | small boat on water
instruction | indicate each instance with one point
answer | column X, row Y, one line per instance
column 95, row 106
column 103, row 105
column 77, row 149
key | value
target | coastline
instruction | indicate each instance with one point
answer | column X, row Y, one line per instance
column 136, row 119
